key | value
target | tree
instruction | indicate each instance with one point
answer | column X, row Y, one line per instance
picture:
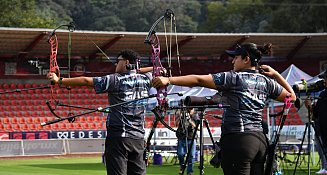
column 16, row 13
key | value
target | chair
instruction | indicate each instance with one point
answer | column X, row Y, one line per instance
column 25, row 127
column 2, row 128
column 78, row 126
column 71, row 126
column 97, row 119
column 14, row 120
column 55, row 126
column 21, row 120
column 29, row 120
column 32, row 127
column 8, row 128
column 37, row 120
column 100, row 126
column 85, row 126
column 63, row 126
column 16, row 127
column 93, row 126
column 6, row 121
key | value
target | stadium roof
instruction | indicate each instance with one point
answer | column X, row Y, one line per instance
column 23, row 42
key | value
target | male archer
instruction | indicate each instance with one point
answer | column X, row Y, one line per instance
column 124, row 146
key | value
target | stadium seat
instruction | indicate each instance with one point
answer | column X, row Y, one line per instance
column 78, row 126
column 32, row 127
column 21, row 120
column 93, row 126
column 16, row 127
column 25, row 127
column 6, row 121
column 30, row 136
column 29, row 120
column 71, row 126
column 81, row 119
column 85, row 126
column 100, row 126
column 2, row 128
column 63, row 126
column 14, row 120
column 55, row 126
column 8, row 128
column 96, row 119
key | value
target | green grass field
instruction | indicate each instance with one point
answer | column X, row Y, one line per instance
column 92, row 165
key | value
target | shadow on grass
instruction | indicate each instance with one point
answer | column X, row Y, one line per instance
column 71, row 166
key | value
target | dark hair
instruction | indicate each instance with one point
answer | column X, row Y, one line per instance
column 255, row 52
column 129, row 55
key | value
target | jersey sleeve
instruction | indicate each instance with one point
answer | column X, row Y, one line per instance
column 222, row 80
column 103, row 84
column 274, row 89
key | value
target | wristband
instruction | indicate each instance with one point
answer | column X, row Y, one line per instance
column 60, row 81
column 169, row 81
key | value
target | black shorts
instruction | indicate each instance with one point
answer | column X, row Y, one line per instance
column 124, row 156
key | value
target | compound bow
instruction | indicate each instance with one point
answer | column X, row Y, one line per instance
column 54, row 68
column 158, row 70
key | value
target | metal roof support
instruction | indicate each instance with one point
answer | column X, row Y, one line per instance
column 180, row 45
column 32, row 44
column 291, row 55
column 107, row 45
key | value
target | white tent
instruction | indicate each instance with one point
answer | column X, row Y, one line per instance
column 294, row 75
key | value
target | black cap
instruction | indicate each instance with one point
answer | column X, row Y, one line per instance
column 237, row 51
column 323, row 75
column 233, row 53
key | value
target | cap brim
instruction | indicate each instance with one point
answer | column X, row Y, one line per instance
column 232, row 53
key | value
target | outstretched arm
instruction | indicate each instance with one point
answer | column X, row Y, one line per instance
column 188, row 80
column 145, row 69
column 272, row 73
column 76, row 81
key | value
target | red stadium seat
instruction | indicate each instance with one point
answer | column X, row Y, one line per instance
column 16, row 127
column 32, row 127
column 14, row 120
column 55, row 126
column 71, row 126
column 93, row 126
column 96, row 119
column 63, row 126
column 8, row 128
column 78, row 126
column 21, row 120
column 2, row 128
column 29, row 120
column 25, row 127
column 100, row 126
column 85, row 126
column 6, row 121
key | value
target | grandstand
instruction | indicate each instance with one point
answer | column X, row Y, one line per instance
column 21, row 112
column 24, row 111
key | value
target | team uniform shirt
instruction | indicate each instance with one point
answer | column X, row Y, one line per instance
column 246, row 92
column 125, row 120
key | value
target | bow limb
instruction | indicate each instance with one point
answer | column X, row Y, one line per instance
column 158, row 69
column 53, row 67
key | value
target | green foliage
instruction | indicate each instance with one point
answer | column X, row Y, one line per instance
column 16, row 13
column 231, row 16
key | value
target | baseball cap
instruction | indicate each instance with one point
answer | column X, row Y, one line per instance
column 323, row 75
column 237, row 51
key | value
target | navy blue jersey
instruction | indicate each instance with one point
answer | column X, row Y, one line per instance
column 246, row 92
column 125, row 120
